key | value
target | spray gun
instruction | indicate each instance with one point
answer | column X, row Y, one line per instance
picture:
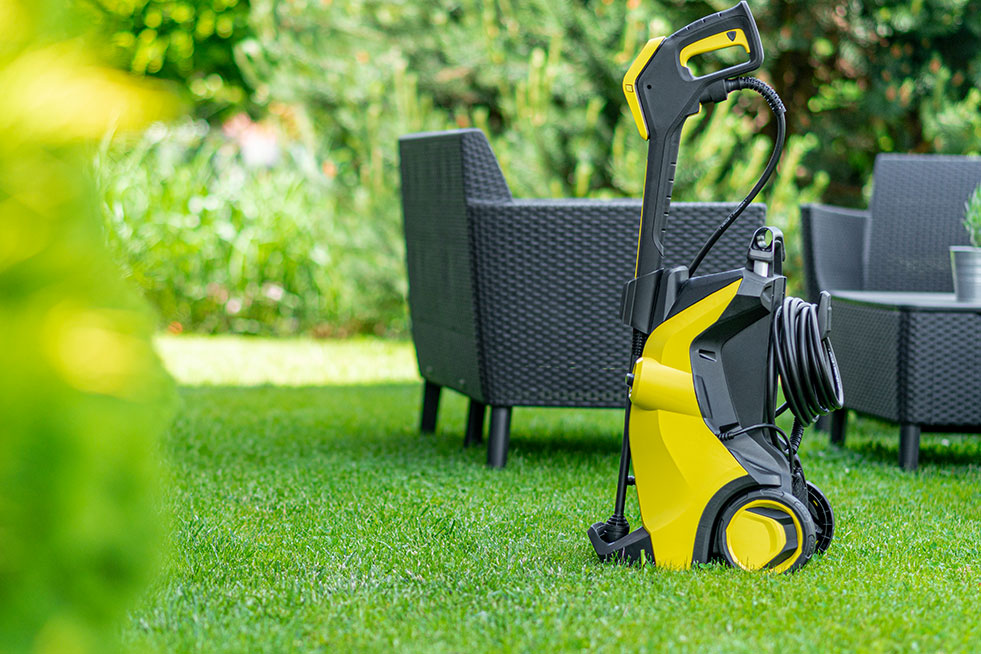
column 662, row 93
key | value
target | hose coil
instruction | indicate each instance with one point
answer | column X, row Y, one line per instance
column 805, row 361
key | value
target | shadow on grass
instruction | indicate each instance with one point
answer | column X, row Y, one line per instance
column 536, row 445
column 382, row 420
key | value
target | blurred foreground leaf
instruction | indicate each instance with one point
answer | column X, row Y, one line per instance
column 82, row 394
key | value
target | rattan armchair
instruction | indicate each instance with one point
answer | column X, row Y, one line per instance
column 908, row 352
column 517, row 302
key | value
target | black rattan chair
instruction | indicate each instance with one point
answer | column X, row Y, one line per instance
column 517, row 302
column 908, row 352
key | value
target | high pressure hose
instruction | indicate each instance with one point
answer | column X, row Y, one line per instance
column 808, row 369
column 776, row 105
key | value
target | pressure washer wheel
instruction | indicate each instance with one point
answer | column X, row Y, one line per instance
column 766, row 529
column 823, row 516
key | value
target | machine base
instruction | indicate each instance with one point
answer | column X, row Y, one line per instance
column 635, row 546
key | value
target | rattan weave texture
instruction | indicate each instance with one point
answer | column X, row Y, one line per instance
column 916, row 203
column 943, row 374
column 865, row 340
column 550, row 275
column 438, row 260
column 834, row 245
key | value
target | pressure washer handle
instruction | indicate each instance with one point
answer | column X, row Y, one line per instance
column 662, row 92
column 662, row 157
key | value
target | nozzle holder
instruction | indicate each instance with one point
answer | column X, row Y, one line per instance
column 769, row 255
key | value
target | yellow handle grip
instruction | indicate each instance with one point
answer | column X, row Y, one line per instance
column 715, row 42
column 630, row 83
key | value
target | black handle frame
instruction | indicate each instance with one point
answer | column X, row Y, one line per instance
column 668, row 93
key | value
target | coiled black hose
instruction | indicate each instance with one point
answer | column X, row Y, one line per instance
column 806, row 364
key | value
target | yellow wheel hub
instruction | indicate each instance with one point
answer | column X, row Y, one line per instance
column 764, row 534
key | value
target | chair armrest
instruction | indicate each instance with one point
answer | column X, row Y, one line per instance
column 833, row 247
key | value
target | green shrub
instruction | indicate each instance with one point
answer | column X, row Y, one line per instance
column 311, row 240
column 221, row 241
column 541, row 78
column 188, row 41
column 972, row 216
column 544, row 75
column 82, row 394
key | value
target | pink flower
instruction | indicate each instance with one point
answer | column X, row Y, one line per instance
column 257, row 141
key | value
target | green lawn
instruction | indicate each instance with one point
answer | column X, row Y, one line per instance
column 310, row 516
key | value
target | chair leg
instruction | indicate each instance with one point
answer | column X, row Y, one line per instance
column 475, row 423
column 838, row 421
column 500, row 436
column 823, row 423
column 909, row 446
column 430, row 407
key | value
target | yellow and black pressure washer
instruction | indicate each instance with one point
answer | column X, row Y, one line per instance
column 716, row 478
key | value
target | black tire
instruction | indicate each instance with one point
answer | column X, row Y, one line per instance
column 823, row 516
column 775, row 505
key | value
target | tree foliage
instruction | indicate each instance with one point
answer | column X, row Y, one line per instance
column 870, row 77
column 862, row 77
column 188, row 41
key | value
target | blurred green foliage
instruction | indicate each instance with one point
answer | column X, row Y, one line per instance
column 82, row 394
column 188, row 41
column 247, row 236
column 544, row 76
column 542, row 79
column 870, row 77
column 343, row 79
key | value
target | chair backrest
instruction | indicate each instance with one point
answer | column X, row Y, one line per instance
column 917, row 210
column 440, row 172
column 490, row 276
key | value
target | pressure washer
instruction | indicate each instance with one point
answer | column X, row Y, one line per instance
column 716, row 478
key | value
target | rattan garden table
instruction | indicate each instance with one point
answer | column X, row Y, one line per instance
column 909, row 302
column 924, row 348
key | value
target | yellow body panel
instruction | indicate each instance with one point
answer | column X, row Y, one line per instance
column 679, row 464
column 657, row 386
column 630, row 83
column 754, row 540
column 712, row 43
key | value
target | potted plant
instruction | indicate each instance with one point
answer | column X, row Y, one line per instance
column 965, row 260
